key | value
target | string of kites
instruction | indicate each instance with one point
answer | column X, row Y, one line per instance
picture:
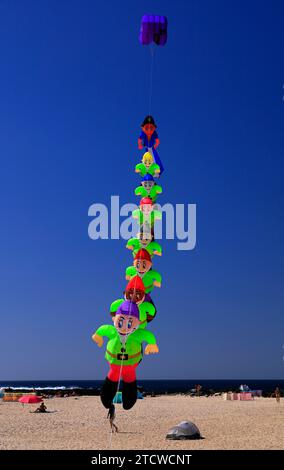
column 132, row 313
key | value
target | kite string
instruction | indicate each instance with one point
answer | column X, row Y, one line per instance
column 115, row 399
column 151, row 77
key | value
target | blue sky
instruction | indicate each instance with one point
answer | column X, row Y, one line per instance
column 74, row 88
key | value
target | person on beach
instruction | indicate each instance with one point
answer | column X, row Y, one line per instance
column 277, row 394
column 198, row 388
column 41, row 409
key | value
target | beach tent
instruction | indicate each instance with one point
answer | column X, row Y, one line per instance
column 13, row 396
column 184, row 430
column 245, row 396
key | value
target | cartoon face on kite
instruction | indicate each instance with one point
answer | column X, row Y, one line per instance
column 142, row 262
column 135, row 290
column 147, row 310
column 148, row 137
column 148, row 126
column 148, row 188
column 147, row 159
column 147, row 216
column 149, row 130
column 142, row 265
column 148, row 183
column 148, row 166
column 134, row 295
column 126, row 319
column 145, row 237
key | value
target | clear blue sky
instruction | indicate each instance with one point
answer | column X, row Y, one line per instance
column 73, row 91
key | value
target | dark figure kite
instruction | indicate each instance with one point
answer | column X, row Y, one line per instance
column 153, row 29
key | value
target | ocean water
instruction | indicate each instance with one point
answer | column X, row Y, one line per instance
column 157, row 386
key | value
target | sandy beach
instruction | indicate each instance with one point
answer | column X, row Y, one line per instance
column 80, row 423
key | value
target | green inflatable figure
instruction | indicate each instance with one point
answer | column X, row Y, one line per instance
column 146, row 215
column 148, row 166
column 142, row 265
column 142, row 241
column 123, row 353
column 148, row 188
column 135, row 291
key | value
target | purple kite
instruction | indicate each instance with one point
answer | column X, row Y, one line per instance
column 153, row 29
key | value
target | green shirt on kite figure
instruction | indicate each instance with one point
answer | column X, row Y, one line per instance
column 142, row 265
column 135, row 244
column 146, row 213
column 123, row 353
column 132, row 351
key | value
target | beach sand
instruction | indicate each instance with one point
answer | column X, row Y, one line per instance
column 81, row 424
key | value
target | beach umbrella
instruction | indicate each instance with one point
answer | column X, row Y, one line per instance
column 184, row 430
column 30, row 399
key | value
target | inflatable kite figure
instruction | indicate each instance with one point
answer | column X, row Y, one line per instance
column 142, row 265
column 149, row 140
column 135, row 292
column 152, row 247
column 153, row 29
column 146, row 214
column 148, row 188
column 148, row 166
column 123, row 353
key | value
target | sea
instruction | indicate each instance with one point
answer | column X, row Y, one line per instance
column 150, row 386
